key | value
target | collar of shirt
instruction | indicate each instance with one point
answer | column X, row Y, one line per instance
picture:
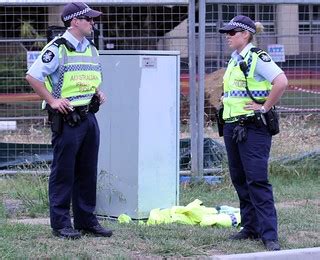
column 238, row 57
column 80, row 46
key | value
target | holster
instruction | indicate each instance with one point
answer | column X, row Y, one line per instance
column 220, row 121
column 272, row 119
column 94, row 104
column 55, row 120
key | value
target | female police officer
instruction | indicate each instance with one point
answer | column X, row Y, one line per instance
column 247, row 142
column 71, row 65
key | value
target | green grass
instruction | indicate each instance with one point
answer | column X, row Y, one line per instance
column 296, row 188
column 210, row 195
column 128, row 240
column 297, row 203
column 32, row 191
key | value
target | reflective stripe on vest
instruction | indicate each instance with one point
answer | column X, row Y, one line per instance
column 243, row 93
column 79, row 75
column 235, row 94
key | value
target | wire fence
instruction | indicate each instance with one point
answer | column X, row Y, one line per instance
column 290, row 37
column 292, row 34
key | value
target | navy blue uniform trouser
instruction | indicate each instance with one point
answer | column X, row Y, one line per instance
column 248, row 165
column 74, row 174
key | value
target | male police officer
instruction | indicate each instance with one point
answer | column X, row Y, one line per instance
column 70, row 65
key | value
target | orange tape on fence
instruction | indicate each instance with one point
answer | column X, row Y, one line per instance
column 21, row 97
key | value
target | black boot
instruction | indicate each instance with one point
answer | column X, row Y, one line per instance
column 272, row 245
column 97, row 230
column 67, row 232
column 244, row 235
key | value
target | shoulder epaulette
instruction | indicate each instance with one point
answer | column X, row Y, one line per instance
column 256, row 50
column 59, row 41
column 263, row 55
column 92, row 43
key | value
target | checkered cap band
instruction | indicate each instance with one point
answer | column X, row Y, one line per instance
column 82, row 12
column 243, row 26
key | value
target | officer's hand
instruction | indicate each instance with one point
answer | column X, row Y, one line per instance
column 102, row 97
column 62, row 105
column 252, row 106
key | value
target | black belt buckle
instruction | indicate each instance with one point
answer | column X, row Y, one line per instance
column 242, row 120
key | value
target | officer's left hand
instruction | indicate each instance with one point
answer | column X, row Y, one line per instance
column 102, row 97
column 252, row 106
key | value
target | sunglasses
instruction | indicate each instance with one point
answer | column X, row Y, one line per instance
column 88, row 19
column 233, row 32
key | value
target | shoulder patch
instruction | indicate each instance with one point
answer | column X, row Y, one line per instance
column 47, row 56
column 264, row 57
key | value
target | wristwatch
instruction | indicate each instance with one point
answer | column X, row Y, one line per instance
column 263, row 110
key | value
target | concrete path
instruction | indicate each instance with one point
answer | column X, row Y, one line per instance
column 32, row 221
column 293, row 254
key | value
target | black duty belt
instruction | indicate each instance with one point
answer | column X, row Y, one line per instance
column 237, row 119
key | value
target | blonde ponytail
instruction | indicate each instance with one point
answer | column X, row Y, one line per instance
column 259, row 27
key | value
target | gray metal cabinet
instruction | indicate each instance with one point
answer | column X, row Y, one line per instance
column 138, row 167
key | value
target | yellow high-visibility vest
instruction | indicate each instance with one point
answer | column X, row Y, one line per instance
column 234, row 83
column 79, row 75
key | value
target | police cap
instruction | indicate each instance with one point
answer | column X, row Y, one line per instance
column 77, row 9
column 240, row 21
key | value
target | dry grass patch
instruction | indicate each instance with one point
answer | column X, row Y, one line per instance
column 301, row 236
column 298, row 203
